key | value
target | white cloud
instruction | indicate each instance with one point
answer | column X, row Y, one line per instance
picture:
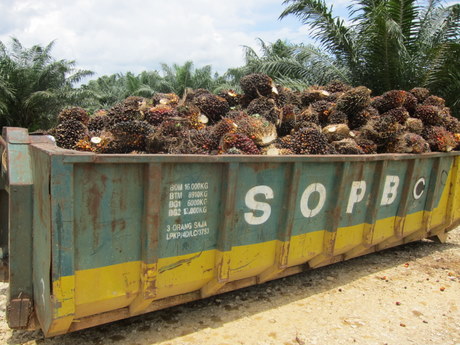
column 110, row 36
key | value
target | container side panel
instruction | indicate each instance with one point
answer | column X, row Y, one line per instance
column 108, row 214
column 42, row 238
column 259, row 200
column 190, row 216
column 440, row 205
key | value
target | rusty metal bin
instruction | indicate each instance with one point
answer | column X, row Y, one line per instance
column 90, row 239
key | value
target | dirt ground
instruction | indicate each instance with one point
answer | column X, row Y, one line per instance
column 405, row 295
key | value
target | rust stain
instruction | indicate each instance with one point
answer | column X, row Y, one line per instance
column 179, row 263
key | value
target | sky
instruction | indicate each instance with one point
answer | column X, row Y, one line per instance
column 113, row 36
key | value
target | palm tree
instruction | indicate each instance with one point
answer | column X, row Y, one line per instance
column 294, row 65
column 177, row 78
column 34, row 86
column 389, row 44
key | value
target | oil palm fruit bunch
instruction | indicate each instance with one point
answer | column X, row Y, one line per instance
column 257, row 84
column 435, row 100
column 170, row 99
column 398, row 114
column 313, row 94
column 289, row 115
column 265, row 107
column 256, row 127
column 69, row 132
column 98, row 121
column 157, row 114
column 75, row 113
column 389, row 100
column 381, row 130
column 240, row 142
column 224, row 126
column 337, row 86
column 439, row 138
column 337, row 132
column 413, row 125
column 420, row 93
column 130, row 135
column 368, row 146
column 354, row 100
column 323, row 109
column 337, row 117
column 195, row 119
column 360, row 118
column 213, row 106
column 310, row 141
column 408, row 143
column 429, row 114
column 347, row 146
column 132, row 108
column 231, row 96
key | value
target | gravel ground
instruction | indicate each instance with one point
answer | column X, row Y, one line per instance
column 405, row 295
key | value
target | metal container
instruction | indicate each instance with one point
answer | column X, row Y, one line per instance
column 90, row 239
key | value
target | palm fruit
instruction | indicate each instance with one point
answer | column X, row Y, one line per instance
column 192, row 116
column 240, row 142
column 414, row 125
column 354, row 100
column 275, row 150
column 420, row 93
column 367, row 145
column 313, row 94
column 323, row 108
column 232, row 98
column 286, row 96
column 265, row 107
column 132, row 108
column 213, row 106
column 307, row 118
column 289, row 115
column 224, row 126
column 399, row 114
column 435, row 100
column 286, row 142
column 69, row 132
column 336, row 132
column 337, row 116
column 439, row 138
column 392, row 99
column 257, row 85
column 157, row 114
column 98, row 122
column 347, row 146
column 337, row 86
column 75, row 113
column 256, row 127
column 130, row 135
column 170, row 99
column 191, row 94
column 310, row 141
column 410, row 103
column 408, row 143
column 201, row 142
column 429, row 114
column 84, row 145
column 359, row 119
column 381, row 130
column 452, row 124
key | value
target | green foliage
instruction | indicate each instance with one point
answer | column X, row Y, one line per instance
column 34, row 86
column 389, row 44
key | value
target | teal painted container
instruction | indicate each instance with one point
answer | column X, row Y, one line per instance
column 88, row 239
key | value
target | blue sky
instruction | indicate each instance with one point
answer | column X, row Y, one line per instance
column 111, row 36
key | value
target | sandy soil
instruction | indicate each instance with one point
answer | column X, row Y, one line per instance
column 405, row 295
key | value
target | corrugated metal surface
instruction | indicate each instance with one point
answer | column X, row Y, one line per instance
column 119, row 235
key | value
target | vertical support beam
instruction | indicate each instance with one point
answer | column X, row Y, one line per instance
column 149, row 238
column 285, row 226
column 62, row 246
column 225, row 233
column 404, row 203
column 371, row 213
column 333, row 220
column 433, row 190
column 18, row 183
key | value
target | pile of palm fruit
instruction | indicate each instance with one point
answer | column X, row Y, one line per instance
column 266, row 119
